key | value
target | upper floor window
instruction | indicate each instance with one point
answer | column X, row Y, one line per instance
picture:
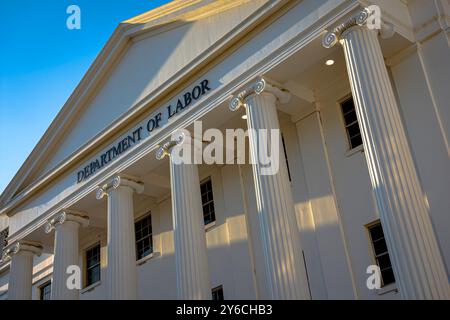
column 93, row 264
column 45, row 291
column 380, row 252
column 144, row 239
column 209, row 214
column 286, row 157
column 217, row 293
column 3, row 242
column 351, row 123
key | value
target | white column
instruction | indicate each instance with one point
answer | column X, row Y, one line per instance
column 417, row 261
column 285, row 270
column 193, row 282
column 21, row 269
column 121, row 274
column 66, row 251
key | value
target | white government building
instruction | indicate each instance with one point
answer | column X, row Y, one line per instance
column 364, row 176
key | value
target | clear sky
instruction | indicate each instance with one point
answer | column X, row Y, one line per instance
column 42, row 61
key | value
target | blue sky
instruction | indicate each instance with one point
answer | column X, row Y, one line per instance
column 42, row 61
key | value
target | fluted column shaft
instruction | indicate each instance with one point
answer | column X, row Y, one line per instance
column 121, row 279
column 417, row 261
column 21, row 270
column 121, row 276
column 193, row 281
column 20, row 279
column 66, row 252
column 284, row 267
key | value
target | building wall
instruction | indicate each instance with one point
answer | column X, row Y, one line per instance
column 424, row 114
column 142, row 69
column 330, row 184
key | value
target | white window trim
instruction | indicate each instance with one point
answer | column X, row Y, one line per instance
column 44, row 282
column 146, row 258
column 152, row 254
column 91, row 287
column 84, row 265
column 392, row 287
column 351, row 152
column 213, row 223
column 210, row 226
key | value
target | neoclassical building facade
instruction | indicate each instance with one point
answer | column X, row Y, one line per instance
column 358, row 208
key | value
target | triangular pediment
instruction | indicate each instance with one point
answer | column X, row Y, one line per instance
column 143, row 54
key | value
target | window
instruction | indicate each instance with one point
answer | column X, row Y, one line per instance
column 207, row 201
column 217, row 293
column 3, row 236
column 351, row 123
column 286, row 158
column 381, row 253
column 144, row 239
column 45, row 291
column 93, row 265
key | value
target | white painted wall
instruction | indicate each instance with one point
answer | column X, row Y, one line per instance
column 295, row 21
column 145, row 66
column 331, row 187
column 423, row 118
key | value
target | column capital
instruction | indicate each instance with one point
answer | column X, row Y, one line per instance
column 177, row 139
column 259, row 86
column 120, row 180
column 21, row 246
column 67, row 215
column 359, row 19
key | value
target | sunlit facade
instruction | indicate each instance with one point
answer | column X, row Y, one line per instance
column 359, row 91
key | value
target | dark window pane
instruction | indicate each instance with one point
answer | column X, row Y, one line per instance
column 356, row 141
column 217, row 294
column 144, row 237
column 379, row 246
column 45, row 291
column 207, row 201
column 381, row 253
column 388, row 276
column 353, row 130
column 376, row 232
column 384, row 261
column 93, row 265
column 350, row 118
column 348, row 106
column 286, row 158
column 351, row 123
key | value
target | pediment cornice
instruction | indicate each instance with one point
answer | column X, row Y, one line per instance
column 17, row 191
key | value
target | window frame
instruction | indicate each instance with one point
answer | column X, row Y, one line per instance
column 374, row 255
column 46, row 284
column 350, row 147
column 217, row 289
column 5, row 240
column 150, row 236
column 202, row 182
column 286, row 158
column 87, row 268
